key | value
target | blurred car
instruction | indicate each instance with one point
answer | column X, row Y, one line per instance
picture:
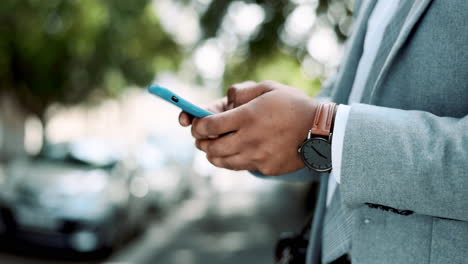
column 165, row 161
column 79, row 196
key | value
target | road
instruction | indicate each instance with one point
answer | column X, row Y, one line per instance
column 204, row 231
column 14, row 259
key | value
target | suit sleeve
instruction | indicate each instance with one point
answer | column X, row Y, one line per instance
column 409, row 160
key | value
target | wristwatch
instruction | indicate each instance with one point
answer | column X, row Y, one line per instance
column 316, row 149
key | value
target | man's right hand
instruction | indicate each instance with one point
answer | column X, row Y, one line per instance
column 259, row 126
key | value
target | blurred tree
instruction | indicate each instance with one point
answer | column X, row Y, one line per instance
column 67, row 51
column 262, row 48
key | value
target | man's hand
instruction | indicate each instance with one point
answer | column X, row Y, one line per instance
column 259, row 126
column 238, row 94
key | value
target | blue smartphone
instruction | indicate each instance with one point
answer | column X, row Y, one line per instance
column 176, row 100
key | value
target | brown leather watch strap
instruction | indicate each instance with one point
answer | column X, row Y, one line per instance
column 323, row 120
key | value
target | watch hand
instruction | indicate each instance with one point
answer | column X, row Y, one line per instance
column 320, row 154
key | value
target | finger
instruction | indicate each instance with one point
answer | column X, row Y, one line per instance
column 219, row 124
column 196, row 134
column 242, row 93
column 185, row 119
column 194, row 131
column 235, row 162
column 221, row 147
column 217, row 106
column 233, row 91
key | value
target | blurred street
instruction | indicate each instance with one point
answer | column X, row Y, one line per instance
column 8, row 258
column 203, row 214
column 239, row 237
column 203, row 231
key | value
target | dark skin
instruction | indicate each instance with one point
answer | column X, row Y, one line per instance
column 257, row 126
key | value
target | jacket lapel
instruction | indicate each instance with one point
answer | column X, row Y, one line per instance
column 378, row 74
column 345, row 77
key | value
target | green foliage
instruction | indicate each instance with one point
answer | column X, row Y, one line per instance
column 280, row 67
column 287, row 70
column 69, row 50
column 265, row 57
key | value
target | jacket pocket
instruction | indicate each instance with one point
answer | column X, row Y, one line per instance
column 449, row 242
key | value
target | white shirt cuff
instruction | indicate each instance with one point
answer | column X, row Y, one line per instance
column 338, row 140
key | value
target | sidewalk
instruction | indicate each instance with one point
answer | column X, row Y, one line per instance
column 202, row 232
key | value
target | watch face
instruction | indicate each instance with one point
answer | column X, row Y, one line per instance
column 316, row 154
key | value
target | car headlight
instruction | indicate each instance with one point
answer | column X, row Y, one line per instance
column 84, row 241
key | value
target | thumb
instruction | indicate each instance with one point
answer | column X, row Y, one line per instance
column 242, row 93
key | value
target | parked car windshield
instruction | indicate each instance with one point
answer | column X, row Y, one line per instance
column 89, row 154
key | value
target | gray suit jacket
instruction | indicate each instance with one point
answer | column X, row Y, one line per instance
column 406, row 145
